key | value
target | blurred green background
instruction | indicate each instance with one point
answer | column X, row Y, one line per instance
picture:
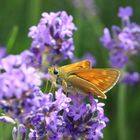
column 19, row 15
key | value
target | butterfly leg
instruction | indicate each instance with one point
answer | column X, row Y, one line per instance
column 53, row 85
column 46, row 87
column 64, row 85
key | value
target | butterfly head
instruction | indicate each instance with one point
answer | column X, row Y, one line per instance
column 53, row 71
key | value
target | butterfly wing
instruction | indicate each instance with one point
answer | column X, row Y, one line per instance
column 103, row 79
column 97, row 80
column 84, row 86
column 85, row 64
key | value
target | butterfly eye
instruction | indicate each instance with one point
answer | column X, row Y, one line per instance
column 55, row 72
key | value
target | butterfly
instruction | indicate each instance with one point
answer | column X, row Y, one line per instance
column 81, row 76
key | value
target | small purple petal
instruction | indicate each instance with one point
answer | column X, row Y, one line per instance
column 106, row 38
column 7, row 119
column 2, row 52
column 125, row 12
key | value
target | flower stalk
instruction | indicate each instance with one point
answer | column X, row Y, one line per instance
column 122, row 110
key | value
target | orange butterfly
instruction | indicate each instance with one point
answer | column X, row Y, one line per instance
column 83, row 77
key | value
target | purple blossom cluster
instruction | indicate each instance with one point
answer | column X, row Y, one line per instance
column 122, row 42
column 35, row 114
column 131, row 78
column 67, row 118
column 18, row 81
column 85, row 120
column 52, row 38
column 48, row 120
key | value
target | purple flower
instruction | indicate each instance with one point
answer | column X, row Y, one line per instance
column 31, row 58
column 77, row 111
column 106, row 39
column 131, row 78
column 47, row 118
column 26, row 77
column 53, row 38
column 122, row 42
column 7, row 119
column 127, row 40
column 19, row 83
column 62, row 100
column 125, row 12
column 59, row 116
column 118, row 59
column 33, row 135
column 85, row 119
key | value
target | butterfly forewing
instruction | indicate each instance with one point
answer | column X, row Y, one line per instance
column 103, row 79
column 85, row 64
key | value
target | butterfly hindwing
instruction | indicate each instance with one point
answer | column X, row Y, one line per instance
column 85, row 86
column 103, row 79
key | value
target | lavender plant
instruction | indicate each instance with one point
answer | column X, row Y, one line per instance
column 35, row 114
column 123, row 43
column 52, row 38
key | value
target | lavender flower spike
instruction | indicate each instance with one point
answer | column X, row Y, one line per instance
column 125, row 12
column 52, row 38
column 122, row 42
column 85, row 120
column 131, row 78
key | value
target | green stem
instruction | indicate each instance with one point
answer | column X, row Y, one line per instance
column 121, row 112
column 18, row 133
column 12, row 38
